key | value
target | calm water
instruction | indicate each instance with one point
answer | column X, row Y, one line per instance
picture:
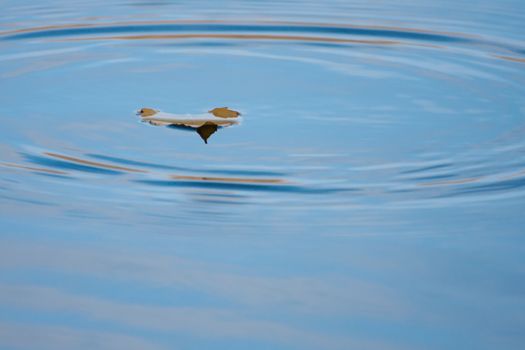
column 372, row 197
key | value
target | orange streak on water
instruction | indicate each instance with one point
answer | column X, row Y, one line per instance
column 227, row 179
column 95, row 164
column 226, row 22
column 450, row 182
column 512, row 59
column 242, row 37
column 43, row 170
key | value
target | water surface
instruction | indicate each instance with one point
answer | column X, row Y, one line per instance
column 371, row 198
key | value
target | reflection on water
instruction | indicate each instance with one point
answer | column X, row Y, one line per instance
column 44, row 170
column 370, row 196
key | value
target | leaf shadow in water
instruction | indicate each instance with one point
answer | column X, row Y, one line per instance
column 204, row 131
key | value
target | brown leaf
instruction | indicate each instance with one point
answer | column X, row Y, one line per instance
column 224, row 112
column 147, row 112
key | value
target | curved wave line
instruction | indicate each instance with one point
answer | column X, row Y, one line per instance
column 243, row 37
column 93, row 164
column 134, row 27
column 42, row 170
column 221, row 25
column 227, row 179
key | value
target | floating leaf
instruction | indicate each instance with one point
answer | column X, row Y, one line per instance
column 204, row 124
column 224, row 112
column 147, row 112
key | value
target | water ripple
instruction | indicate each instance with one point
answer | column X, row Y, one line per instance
column 315, row 33
column 457, row 65
column 81, row 30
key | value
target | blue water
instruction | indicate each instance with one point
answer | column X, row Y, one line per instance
column 372, row 197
